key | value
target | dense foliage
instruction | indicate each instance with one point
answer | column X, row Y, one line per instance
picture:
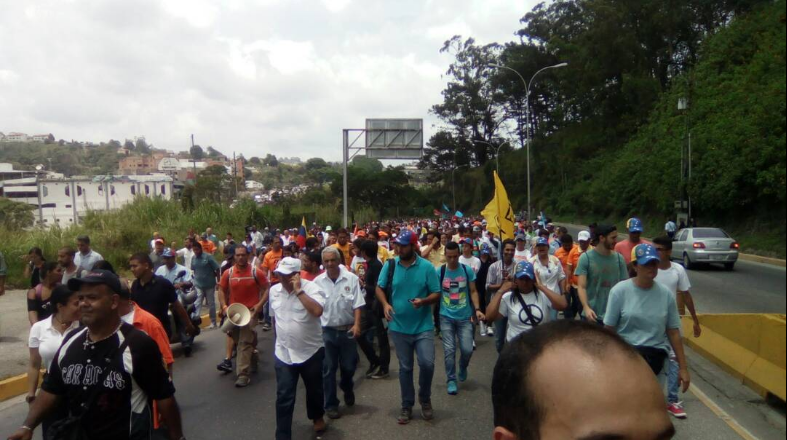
column 606, row 131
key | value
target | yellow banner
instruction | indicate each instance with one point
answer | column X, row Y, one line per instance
column 498, row 213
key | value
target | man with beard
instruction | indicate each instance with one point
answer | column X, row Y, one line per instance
column 407, row 286
column 598, row 271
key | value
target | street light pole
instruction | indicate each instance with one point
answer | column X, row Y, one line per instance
column 527, row 120
column 497, row 152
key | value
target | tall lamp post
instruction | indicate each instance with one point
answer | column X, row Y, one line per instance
column 527, row 118
column 497, row 152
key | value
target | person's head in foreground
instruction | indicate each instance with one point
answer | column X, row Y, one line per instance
column 606, row 392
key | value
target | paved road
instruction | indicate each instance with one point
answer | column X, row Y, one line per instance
column 214, row 409
column 750, row 288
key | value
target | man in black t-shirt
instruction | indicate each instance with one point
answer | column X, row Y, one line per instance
column 372, row 316
column 108, row 388
column 156, row 295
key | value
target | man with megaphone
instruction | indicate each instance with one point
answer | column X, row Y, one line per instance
column 243, row 284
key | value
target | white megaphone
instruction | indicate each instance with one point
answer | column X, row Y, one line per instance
column 238, row 316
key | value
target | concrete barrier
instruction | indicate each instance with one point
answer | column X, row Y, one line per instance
column 17, row 385
column 751, row 347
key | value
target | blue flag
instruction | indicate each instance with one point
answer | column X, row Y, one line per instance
column 459, row 214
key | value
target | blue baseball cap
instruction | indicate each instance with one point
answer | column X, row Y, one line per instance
column 521, row 237
column 542, row 241
column 645, row 253
column 485, row 249
column 167, row 253
column 467, row 241
column 635, row 225
column 525, row 270
column 406, row 238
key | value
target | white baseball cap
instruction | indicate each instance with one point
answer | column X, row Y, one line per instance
column 583, row 236
column 288, row 266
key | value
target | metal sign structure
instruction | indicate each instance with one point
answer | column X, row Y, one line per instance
column 397, row 139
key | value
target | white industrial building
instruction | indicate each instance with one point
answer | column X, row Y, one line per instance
column 65, row 202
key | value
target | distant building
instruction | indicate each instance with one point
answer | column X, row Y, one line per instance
column 15, row 137
column 24, row 137
column 65, row 202
column 7, row 172
column 290, row 160
column 417, row 177
column 136, row 165
column 43, row 137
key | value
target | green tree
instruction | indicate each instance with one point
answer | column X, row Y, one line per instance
column 15, row 215
column 196, row 152
column 270, row 160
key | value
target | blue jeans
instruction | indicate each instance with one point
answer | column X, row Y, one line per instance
column 500, row 333
column 209, row 293
column 286, row 385
column 673, row 381
column 341, row 353
column 453, row 329
column 407, row 347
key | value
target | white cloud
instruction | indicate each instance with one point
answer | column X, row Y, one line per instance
column 253, row 76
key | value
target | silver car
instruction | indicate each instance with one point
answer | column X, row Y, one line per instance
column 704, row 246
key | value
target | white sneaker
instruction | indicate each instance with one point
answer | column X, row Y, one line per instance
column 482, row 330
column 490, row 331
column 212, row 327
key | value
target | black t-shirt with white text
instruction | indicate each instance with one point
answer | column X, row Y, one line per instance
column 122, row 409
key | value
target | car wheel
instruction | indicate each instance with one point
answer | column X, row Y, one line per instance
column 687, row 262
column 729, row 267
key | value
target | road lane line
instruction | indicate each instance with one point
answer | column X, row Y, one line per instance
column 720, row 413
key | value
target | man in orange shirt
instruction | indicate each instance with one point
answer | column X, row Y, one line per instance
column 635, row 239
column 142, row 320
column 575, row 306
column 268, row 266
column 243, row 284
column 343, row 244
column 207, row 245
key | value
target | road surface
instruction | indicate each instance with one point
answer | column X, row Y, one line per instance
column 750, row 288
column 213, row 409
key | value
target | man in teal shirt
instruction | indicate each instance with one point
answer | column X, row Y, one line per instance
column 413, row 288
column 206, row 271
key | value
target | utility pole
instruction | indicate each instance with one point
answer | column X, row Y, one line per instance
column 235, row 173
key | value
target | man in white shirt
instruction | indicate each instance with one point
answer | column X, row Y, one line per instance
column 670, row 228
column 522, row 252
column 675, row 278
column 297, row 307
column 187, row 253
column 467, row 258
column 65, row 258
column 180, row 277
column 341, row 325
column 86, row 257
column 259, row 240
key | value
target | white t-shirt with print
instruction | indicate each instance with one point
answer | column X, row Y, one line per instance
column 550, row 275
column 518, row 320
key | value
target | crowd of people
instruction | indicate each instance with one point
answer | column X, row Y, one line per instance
column 325, row 293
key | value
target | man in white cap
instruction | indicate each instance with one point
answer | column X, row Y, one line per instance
column 297, row 306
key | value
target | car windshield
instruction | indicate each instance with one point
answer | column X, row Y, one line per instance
column 710, row 233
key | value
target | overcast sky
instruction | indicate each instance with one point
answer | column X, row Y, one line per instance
column 253, row 76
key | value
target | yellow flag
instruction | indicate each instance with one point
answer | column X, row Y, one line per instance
column 498, row 213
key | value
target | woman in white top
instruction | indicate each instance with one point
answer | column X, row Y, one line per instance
column 47, row 335
column 550, row 271
column 526, row 304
